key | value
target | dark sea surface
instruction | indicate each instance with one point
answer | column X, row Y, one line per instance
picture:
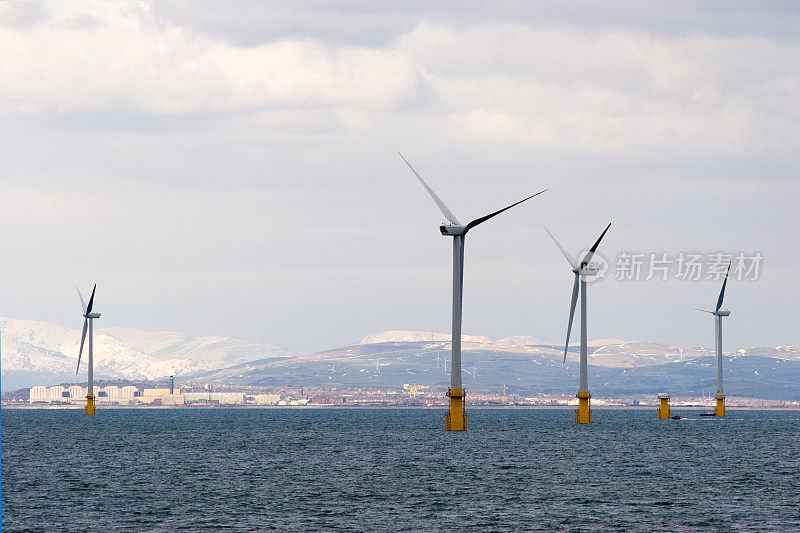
column 375, row 470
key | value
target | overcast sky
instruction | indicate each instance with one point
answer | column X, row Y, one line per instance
column 230, row 167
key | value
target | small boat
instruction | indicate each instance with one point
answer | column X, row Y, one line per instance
column 707, row 414
column 677, row 417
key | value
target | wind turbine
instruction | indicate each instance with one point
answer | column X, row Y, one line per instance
column 88, row 317
column 456, row 418
column 584, row 413
column 718, row 314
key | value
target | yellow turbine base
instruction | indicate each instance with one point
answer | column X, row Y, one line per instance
column 89, row 404
column 663, row 410
column 720, row 409
column 584, row 413
column 456, row 418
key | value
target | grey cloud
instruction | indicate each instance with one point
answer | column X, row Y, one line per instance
column 251, row 22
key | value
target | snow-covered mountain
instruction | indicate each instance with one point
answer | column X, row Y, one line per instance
column 417, row 336
column 400, row 335
column 42, row 353
column 609, row 353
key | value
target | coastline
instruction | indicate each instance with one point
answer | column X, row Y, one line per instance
column 390, row 407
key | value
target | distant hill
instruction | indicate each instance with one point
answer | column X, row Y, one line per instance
column 33, row 352
column 629, row 368
column 41, row 353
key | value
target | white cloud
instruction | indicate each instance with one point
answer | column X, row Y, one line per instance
column 613, row 90
column 113, row 55
column 604, row 91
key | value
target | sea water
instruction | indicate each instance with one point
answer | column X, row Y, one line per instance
column 386, row 469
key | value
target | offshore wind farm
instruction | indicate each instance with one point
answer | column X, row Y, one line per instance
column 283, row 335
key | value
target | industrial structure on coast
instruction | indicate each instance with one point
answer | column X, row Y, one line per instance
column 132, row 396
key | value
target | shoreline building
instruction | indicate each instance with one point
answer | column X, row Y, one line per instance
column 223, row 398
column 132, row 395
column 76, row 394
column 56, row 393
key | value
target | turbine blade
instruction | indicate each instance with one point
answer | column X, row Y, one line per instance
column 704, row 311
column 83, row 304
column 593, row 249
column 83, row 338
column 569, row 258
column 443, row 208
column 91, row 300
column 490, row 215
column 571, row 312
column 722, row 292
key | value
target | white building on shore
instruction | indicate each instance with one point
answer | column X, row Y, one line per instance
column 131, row 395
column 266, row 399
column 76, row 394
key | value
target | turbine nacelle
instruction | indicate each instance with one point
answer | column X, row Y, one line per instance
column 723, row 312
column 92, row 315
column 451, row 230
column 591, row 269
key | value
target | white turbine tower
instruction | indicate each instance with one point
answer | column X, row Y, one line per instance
column 718, row 313
column 88, row 318
column 584, row 414
column 456, row 419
